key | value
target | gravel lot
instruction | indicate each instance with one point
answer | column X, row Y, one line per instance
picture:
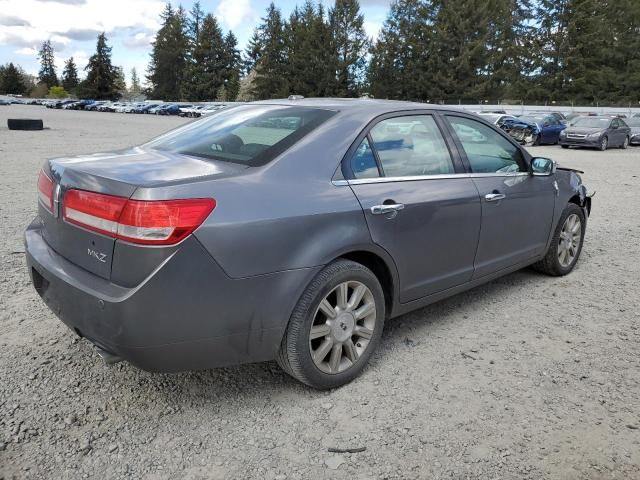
column 528, row 377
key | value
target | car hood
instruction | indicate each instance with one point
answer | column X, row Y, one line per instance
column 584, row 130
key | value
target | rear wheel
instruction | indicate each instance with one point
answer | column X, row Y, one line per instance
column 564, row 146
column 625, row 144
column 335, row 327
column 566, row 243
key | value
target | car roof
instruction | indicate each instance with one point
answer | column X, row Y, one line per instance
column 365, row 106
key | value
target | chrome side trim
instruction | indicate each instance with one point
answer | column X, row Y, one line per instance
column 365, row 181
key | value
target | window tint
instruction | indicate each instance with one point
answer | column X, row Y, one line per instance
column 363, row 162
column 487, row 150
column 615, row 123
column 410, row 146
column 250, row 134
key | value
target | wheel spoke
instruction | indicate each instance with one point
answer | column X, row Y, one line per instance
column 336, row 356
column 318, row 331
column 341, row 295
column 576, row 228
column 356, row 296
column 350, row 351
column 327, row 309
column 364, row 311
column 363, row 332
column 321, row 352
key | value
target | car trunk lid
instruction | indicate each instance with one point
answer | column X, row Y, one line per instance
column 119, row 175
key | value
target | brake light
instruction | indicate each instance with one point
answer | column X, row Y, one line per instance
column 156, row 222
column 45, row 190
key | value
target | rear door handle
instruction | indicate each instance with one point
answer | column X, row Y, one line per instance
column 384, row 209
column 494, row 197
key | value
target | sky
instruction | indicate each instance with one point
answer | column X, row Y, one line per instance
column 130, row 25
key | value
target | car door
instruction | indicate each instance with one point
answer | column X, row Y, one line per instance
column 616, row 134
column 517, row 207
column 418, row 204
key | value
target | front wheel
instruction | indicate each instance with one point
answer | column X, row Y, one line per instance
column 335, row 327
column 604, row 144
column 566, row 244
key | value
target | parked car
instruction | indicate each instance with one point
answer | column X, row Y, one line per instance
column 4, row 101
column 154, row 110
column 634, row 125
column 291, row 230
column 170, row 109
column 535, row 130
column 599, row 132
column 191, row 111
column 93, row 107
column 146, row 108
column 497, row 119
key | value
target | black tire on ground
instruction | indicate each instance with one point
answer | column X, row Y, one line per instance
column 604, row 144
column 550, row 264
column 564, row 146
column 625, row 144
column 24, row 124
column 294, row 356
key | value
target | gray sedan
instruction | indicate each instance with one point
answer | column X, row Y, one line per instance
column 292, row 230
column 599, row 132
column 634, row 125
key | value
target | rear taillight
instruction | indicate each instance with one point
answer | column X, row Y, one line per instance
column 157, row 222
column 45, row 190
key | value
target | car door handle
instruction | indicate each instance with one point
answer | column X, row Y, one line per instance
column 494, row 197
column 384, row 209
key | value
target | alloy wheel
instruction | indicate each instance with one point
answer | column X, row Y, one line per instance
column 342, row 328
column 569, row 242
column 604, row 143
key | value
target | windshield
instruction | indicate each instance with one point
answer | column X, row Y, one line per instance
column 592, row 122
column 250, row 134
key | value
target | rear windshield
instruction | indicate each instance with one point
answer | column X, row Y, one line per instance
column 249, row 134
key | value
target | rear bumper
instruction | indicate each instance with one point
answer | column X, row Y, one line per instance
column 186, row 315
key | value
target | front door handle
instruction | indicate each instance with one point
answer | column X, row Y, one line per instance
column 384, row 208
column 494, row 197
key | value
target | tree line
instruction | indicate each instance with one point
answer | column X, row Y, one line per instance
column 469, row 51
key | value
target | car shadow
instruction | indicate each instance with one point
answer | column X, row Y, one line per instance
column 249, row 380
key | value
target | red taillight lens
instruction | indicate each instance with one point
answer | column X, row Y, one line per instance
column 45, row 190
column 161, row 222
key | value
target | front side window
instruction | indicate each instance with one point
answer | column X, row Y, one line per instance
column 487, row 150
column 250, row 134
column 411, row 146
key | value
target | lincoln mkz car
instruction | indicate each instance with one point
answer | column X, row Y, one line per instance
column 292, row 230
column 598, row 132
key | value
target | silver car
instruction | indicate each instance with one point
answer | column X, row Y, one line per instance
column 292, row 230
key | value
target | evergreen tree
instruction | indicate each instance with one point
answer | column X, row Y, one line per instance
column 252, row 52
column 310, row 63
column 272, row 70
column 169, row 56
column 47, row 74
column 135, row 89
column 104, row 81
column 205, row 73
column 12, row 80
column 233, row 66
column 194, row 23
column 70, row 75
column 350, row 45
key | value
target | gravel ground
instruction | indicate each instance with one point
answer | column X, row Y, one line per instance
column 528, row 377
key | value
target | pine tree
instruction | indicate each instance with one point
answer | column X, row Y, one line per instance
column 194, row 23
column 135, row 89
column 252, row 52
column 309, row 56
column 104, row 81
column 169, row 56
column 47, row 74
column 70, row 75
column 233, row 66
column 272, row 70
column 205, row 73
column 350, row 45
column 12, row 80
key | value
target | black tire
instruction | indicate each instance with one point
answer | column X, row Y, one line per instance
column 625, row 144
column 550, row 264
column 24, row 124
column 564, row 146
column 604, row 144
column 294, row 356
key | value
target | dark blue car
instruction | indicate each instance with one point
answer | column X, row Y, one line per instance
column 536, row 129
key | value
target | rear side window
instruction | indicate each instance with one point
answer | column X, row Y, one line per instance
column 487, row 150
column 251, row 134
column 411, row 146
column 363, row 162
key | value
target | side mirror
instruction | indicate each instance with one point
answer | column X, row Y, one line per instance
column 543, row 166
